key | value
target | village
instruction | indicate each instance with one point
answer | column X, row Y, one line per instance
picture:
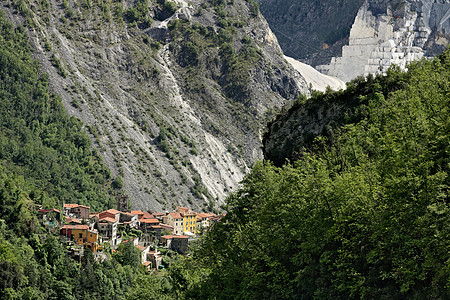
column 82, row 229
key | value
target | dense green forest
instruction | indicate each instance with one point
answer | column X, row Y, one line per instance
column 45, row 158
column 362, row 214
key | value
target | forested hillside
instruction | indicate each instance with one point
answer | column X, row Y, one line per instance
column 38, row 140
column 362, row 212
column 45, row 157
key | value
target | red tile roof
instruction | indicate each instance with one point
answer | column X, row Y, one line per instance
column 75, row 227
column 127, row 213
column 74, row 205
column 108, row 219
column 175, row 215
column 73, row 220
column 168, row 237
column 158, row 214
column 126, row 241
column 137, row 212
column 142, row 248
column 205, row 215
column 148, row 216
column 166, row 226
column 181, row 209
column 48, row 210
column 147, row 221
column 69, row 205
column 112, row 211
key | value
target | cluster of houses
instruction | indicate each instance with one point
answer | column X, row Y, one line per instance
column 171, row 230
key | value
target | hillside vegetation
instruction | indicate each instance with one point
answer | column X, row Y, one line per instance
column 45, row 157
column 38, row 140
column 361, row 213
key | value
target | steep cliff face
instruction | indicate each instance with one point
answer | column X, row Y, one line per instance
column 311, row 31
column 392, row 32
column 173, row 93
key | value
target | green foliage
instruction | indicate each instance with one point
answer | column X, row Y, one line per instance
column 167, row 9
column 363, row 214
column 38, row 140
column 139, row 14
column 128, row 254
column 57, row 64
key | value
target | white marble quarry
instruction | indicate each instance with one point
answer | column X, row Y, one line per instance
column 395, row 37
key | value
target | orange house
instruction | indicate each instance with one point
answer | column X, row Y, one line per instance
column 81, row 234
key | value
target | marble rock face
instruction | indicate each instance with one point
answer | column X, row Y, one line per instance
column 391, row 32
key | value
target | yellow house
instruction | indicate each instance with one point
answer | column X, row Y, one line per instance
column 190, row 222
column 92, row 236
column 80, row 234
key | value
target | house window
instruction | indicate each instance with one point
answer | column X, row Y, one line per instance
column 81, row 235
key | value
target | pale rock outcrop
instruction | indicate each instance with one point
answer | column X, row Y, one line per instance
column 385, row 33
column 316, row 80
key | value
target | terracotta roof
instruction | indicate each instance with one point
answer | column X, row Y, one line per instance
column 73, row 205
column 158, row 214
column 148, row 216
column 108, row 219
column 142, row 248
column 168, row 237
column 137, row 212
column 149, row 221
column 181, row 209
column 73, row 220
column 151, row 253
column 147, row 263
column 175, row 215
column 127, row 213
column 48, row 210
column 112, row 211
column 205, row 215
column 156, row 227
column 166, row 226
column 75, row 227
column 69, row 205
column 126, row 241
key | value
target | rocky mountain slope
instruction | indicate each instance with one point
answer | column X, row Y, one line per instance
column 392, row 32
column 311, row 31
column 173, row 94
